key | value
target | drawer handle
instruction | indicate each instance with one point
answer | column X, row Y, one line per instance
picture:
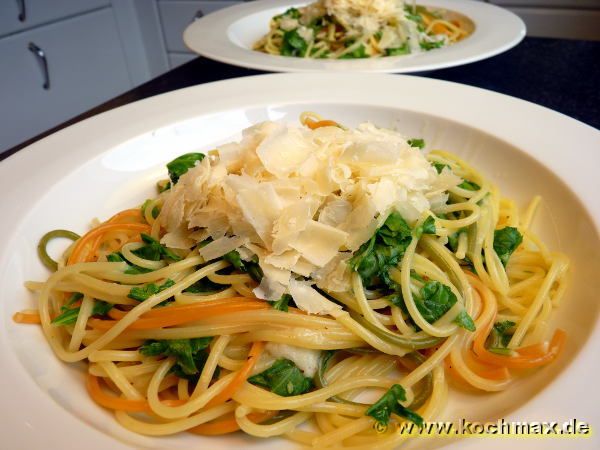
column 22, row 10
column 41, row 57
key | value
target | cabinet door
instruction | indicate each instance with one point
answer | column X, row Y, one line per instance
column 560, row 23
column 86, row 66
column 177, row 59
column 18, row 15
column 177, row 15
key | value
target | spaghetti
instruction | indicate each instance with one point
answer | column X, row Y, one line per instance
column 350, row 29
column 188, row 328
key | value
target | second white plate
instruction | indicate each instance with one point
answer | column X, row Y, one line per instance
column 228, row 35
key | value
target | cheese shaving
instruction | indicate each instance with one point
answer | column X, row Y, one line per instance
column 300, row 200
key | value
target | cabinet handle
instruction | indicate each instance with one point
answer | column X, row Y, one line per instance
column 41, row 57
column 22, row 10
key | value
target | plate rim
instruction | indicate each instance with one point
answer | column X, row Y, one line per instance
column 271, row 89
column 209, row 37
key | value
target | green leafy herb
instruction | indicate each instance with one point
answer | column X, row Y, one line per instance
column 154, row 250
column 427, row 227
column 69, row 315
column 292, row 13
column 469, row 185
column 430, row 45
column 182, row 164
column 434, row 300
column 141, row 293
column 132, row 269
column 66, row 317
column 250, row 267
column 155, row 210
column 500, row 337
column 389, row 404
column 282, row 303
column 404, row 49
column 464, row 320
column 203, row 286
column 506, row 242
column 190, row 354
column 283, row 378
column 293, row 44
column 357, row 53
column 384, row 250
column 75, row 297
column 235, row 259
column 439, row 167
column 417, row 143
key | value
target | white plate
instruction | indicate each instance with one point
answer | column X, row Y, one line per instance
column 228, row 35
column 110, row 162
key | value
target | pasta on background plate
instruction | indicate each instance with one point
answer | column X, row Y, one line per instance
column 316, row 282
column 352, row 29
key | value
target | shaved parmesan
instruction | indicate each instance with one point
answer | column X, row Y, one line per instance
column 221, row 246
column 300, row 200
column 310, row 301
column 319, row 243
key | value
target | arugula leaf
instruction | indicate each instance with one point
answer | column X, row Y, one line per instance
column 434, row 300
column 389, row 404
column 283, row 378
column 282, row 303
column 292, row 13
column 384, row 250
column 190, row 354
column 75, row 297
column 155, row 210
column 427, row 227
column 182, row 164
column 204, row 285
column 69, row 315
column 464, row 320
column 417, row 143
column 439, row 166
column 506, row 242
column 357, row 53
column 141, row 293
column 235, row 259
column 427, row 45
column 500, row 337
column 132, row 269
column 250, row 267
column 404, row 49
column 293, row 44
column 453, row 241
column 469, row 185
column 154, row 250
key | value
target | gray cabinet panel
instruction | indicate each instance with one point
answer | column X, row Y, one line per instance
column 177, row 59
column 86, row 66
column 38, row 12
column 560, row 23
column 177, row 15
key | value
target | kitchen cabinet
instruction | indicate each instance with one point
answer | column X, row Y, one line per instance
column 568, row 19
column 53, row 72
column 19, row 15
column 57, row 71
